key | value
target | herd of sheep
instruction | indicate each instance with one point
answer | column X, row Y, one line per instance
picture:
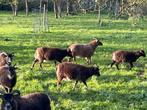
column 11, row 99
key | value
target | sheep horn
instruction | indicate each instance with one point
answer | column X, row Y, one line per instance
column 16, row 93
column 14, row 66
column 95, row 38
column 1, row 93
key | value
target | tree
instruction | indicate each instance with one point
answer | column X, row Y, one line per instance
column 132, row 8
column 27, row 7
column 71, row 7
column 13, row 4
column 57, row 8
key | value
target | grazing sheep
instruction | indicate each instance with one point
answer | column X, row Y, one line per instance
column 5, row 59
column 44, row 53
column 8, row 77
column 126, row 56
column 33, row 101
column 67, row 70
column 84, row 50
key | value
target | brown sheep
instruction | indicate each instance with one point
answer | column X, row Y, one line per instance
column 8, row 77
column 126, row 56
column 45, row 53
column 33, row 101
column 85, row 50
column 67, row 70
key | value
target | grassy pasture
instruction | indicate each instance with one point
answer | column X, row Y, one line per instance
column 113, row 90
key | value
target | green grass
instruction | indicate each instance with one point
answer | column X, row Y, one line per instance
column 113, row 90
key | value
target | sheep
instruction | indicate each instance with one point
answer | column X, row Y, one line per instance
column 71, row 71
column 8, row 77
column 45, row 53
column 33, row 101
column 126, row 56
column 85, row 50
column 5, row 58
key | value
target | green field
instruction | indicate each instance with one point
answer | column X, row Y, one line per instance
column 113, row 90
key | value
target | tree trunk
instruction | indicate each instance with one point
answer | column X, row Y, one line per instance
column 116, row 8
column 99, row 14
column 14, row 9
column 27, row 8
column 40, row 6
column 67, row 7
column 57, row 8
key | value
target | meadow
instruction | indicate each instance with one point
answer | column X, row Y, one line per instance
column 114, row 90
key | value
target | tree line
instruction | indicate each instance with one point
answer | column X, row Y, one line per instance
column 114, row 8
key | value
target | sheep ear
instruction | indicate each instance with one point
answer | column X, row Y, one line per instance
column 96, row 66
column 142, row 51
column 95, row 39
column 15, row 67
column 2, row 94
column 16, row 93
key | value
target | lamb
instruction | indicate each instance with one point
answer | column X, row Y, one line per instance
column 85, row 50
column 8, row 77
column 71, row 71
column 5, row 58
column 126, row 56
column 33, row 101
column 45, row 53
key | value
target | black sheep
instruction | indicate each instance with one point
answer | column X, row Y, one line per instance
column 8, row 77
column 33, row 101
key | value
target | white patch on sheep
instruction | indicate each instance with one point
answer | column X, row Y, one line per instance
column 8, row 106
column 9, row 76
column 3, row 53
column 67, row 78
column 113, row 57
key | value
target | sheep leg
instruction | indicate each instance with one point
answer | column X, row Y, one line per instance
column 113, row 62
column 55, row 62
column 8, row 90
column 131, row 65
column 88, row 60
column 40, row 64
column 74, row 58
column 117, row 66
column 36, row 60
column 59, row 81
column 85, row 83
column 75, row 85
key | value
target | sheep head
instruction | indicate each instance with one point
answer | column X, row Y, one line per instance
column 6, row 58
column 96, row 70
column 10, row 55
column 8, row 99
column 96, row 42
column 69, row 52
column 142, row 53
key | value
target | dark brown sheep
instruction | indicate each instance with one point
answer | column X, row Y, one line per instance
column 85, row 50
column 8, row 77
column 5, row 58
column 71, row 71
column 126, row 56
column 33, row 101
column 45, row 53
